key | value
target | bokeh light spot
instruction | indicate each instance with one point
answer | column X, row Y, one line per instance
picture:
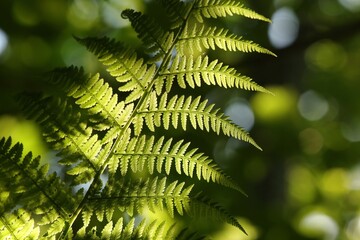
column 351, row 130
column 34, row 51
column 26, row 132
column 3, row 41
column 111, row 11
column 334, row 182
column 312, row 106
column 311, row 140
column 83, row 14
column 241, row 114
column 24, row 13
column 73, row 55
column 330, row 8
column 353, row 229
column 269, row 108
column 326, row 55
column 301, row 185
column 317, row 224
column 230, row 232
column 284, row 28
column 352, row 5
column 112, row 17
column 354, row 178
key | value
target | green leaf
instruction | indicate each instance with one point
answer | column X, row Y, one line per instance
column 223, row 8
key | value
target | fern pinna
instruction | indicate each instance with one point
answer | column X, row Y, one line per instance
column 101, row 134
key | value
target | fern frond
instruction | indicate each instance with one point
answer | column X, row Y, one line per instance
column 194, row 72
column 200, row 37
column 223, row 8
column 94, row 95
column 43, row 197
column 156, row 195
column 156, row 40
column 132, row 197
column 178, row 11
column 111, row 231
column 18, row 225
column 123, row 64
column 153, row 230
column 187, row 234
column 144, row 153
column 62, row 128
column 181, row 110
column 128, row 231
column 96, row 134
column 201, row 206
column 122, row 229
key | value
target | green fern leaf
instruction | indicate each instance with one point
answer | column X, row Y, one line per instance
column 203, row 207
column 18, row 225
column 199, row 37
column 194, row 72
column 78, row 146
column 43, row 197
column 156, row 41
column 152, row 230
column 178, row 11
column 56, row 227
column 132, row 197
column 93, row 94
column 223, row 8
column 201, row 115
column 123, row 64
column 155, row 196
column 96, row 134
column 144, row 153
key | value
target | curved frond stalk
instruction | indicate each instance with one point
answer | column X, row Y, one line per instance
column 156, row 40
column 94, row 95
column 200, row 37
column 43, row 200
column 223, row 8
column 181, row 110
column 132, row 197
column 76, row 143
column 194, row 72
column 123, row 64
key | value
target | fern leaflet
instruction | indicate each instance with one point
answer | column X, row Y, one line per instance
column 223, row 8
column 199, row 37
column 194, row 72
column 123, row 64
column 33, row 193
column 140, row 153
column 181, row 109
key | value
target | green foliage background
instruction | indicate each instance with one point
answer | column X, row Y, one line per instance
column 309, row 131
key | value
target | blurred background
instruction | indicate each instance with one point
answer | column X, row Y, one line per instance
column 305, row 184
